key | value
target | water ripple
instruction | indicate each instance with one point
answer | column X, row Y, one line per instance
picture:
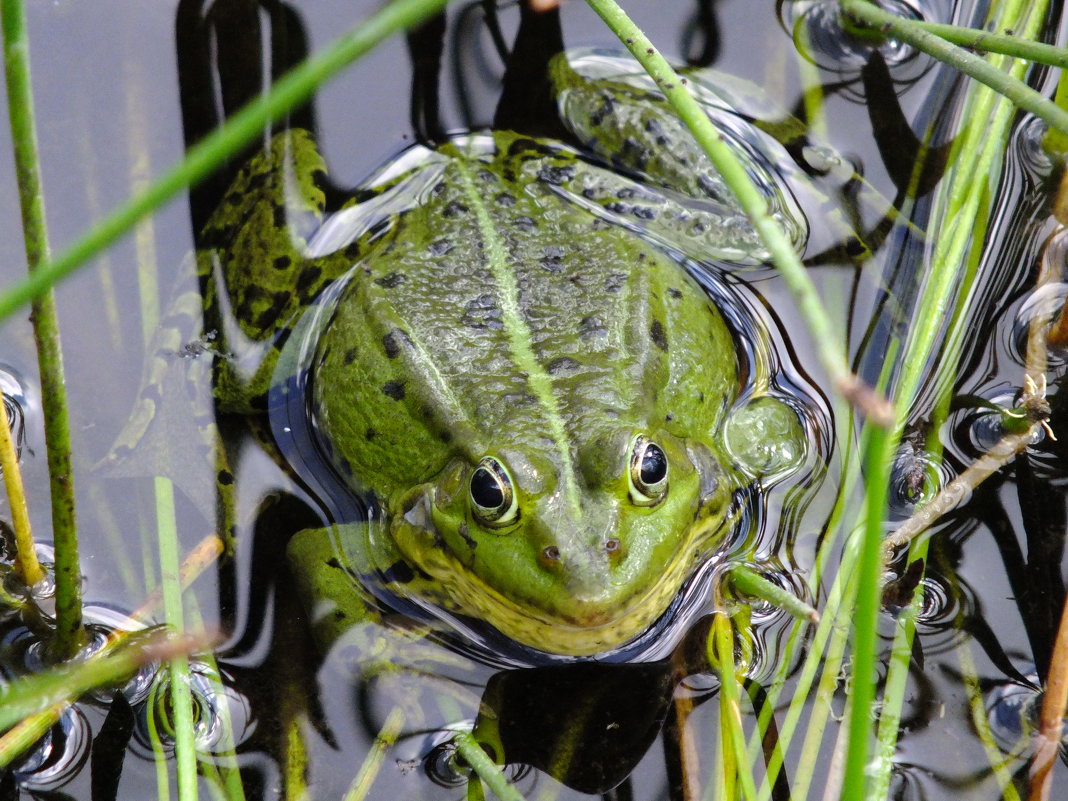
column 818, row 34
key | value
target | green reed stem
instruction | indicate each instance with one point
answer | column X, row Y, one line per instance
column 26, row 733
column 1002, row 765
column 159, row 753
column 824, row 332
column 878, row 456
column 69, row 632
column 179, row 695
column 28, row 695
column 247, row 124
column 1055, row 142
column 1004, row 43
column 812, row 644
column 963, row 225
column 721, row 656
column 485, row 769
column 896, row 27
column 27, row 568
column 897, row 675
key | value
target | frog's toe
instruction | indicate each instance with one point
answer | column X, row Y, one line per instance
column 765, row 438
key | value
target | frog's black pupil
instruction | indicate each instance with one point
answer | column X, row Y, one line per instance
column 654, row 465
column 485, row 491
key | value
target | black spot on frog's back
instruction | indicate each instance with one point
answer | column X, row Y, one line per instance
column 613, row 282
column 556, row 174
column 269, row 314
column 394, row 389
column 394, row 341
column 518, row 399
column 658, row 335
column 439, row 247
column 309, row 278
column 561, row 364
column 454, row 208
column 605, row 108
column 391, row 280
column 552, row 258
column 592, row 326
column 481, row 313
column 400, row 572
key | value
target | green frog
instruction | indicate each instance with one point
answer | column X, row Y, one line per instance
column 500, row 346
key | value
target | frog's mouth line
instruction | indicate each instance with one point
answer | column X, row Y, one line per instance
column 535, row 628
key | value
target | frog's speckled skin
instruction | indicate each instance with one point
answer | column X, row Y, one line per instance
column 499, row 314
column 498, row 319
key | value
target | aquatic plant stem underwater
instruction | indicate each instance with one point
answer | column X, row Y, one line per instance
column 69, row 634
column 27, row 568
column 372, row 763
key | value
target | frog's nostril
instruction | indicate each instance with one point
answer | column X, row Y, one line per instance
column 551, row 556
column 612, row 545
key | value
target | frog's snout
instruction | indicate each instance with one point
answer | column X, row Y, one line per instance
column 552, row 558
column 583, row 565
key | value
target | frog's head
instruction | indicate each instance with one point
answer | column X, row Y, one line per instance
column 576, row 554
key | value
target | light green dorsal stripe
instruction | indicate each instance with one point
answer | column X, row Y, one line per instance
column 519, row 338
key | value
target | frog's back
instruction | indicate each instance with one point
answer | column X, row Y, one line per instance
column 498, row 313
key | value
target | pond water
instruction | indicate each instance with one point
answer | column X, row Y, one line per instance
column 109, row 101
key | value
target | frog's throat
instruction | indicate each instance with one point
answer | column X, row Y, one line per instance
column 454, row 586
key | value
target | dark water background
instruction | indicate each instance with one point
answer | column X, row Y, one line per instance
column 106, row 88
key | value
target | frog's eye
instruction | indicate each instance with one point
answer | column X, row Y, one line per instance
column 492, row 497
column 648, row 472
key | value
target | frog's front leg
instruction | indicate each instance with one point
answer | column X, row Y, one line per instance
column 346, row 619
column 256, row 265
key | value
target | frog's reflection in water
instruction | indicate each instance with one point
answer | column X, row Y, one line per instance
column 587, row 725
